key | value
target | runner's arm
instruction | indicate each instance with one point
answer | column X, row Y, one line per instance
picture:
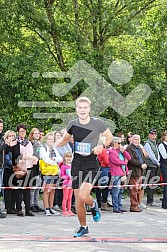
column 107, row 133
column 64, row 140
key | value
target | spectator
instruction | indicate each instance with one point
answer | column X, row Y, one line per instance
column 41, row 135
column 153, row 164
column 136, row 165
column 62, row 150
column 9, row 194
column 163, row 166
column 34, row 137
column 128, row 139
column 50, row 155
column 122, row 136
column 118, row 159
column 22, row 149
column 3, row 149
column 102, row 194
column 65, row 174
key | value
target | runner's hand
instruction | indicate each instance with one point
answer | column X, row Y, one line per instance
column 58, row 142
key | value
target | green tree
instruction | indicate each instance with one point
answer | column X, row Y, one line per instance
column 48, row 35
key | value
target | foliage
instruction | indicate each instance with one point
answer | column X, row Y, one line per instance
column 51, row 36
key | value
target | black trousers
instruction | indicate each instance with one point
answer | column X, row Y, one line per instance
column 101, row 195
column 104, row 180
column 24, row 194
column 9, row 194
column 58, row 197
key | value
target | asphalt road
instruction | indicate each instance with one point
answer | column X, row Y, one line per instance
column 145, row 231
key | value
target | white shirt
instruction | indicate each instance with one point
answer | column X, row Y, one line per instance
column 44, row 154
column 162, row 150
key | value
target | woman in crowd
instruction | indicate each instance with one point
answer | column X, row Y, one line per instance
column 118, row 159
column 22, row 150
column 50, row 155
column 128, row 139
column 102, row 194
column 34, row 137
column 62, row 150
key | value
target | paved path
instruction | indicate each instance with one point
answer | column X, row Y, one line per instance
column 146, row 231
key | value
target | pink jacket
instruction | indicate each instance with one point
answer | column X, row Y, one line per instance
column 115, row 162
column 65, row 174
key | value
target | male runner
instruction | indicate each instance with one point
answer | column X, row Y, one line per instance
column 86, row 131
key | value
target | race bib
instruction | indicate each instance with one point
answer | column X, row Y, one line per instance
column 83, row 148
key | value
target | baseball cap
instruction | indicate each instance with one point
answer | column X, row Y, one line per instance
column 152, row 131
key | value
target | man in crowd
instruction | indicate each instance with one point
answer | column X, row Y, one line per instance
column 136, row 166
column 152, row 164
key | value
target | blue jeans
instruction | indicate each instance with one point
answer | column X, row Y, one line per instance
column 104, row 178
column 34, row 193
column 116, row 193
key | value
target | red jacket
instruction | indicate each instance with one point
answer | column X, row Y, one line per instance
column 103, row 158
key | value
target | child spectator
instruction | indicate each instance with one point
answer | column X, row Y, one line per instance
column 65, row 174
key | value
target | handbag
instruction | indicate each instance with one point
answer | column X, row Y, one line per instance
column 20, row 170
column 48, row 169
column 123, row 180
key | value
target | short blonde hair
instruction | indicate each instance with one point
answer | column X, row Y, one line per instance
column 7, row 133
column 48, row 135
column 83, row 99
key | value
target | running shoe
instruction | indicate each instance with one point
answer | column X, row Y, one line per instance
column 81, row 232
column 95, row 212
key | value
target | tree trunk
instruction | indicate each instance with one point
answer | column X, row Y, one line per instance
column 54, row 33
